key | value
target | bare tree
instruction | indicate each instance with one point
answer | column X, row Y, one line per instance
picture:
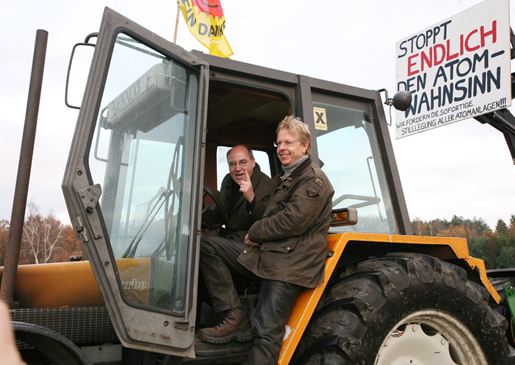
column 40, row 235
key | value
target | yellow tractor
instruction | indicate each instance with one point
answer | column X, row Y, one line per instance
column 147, row 154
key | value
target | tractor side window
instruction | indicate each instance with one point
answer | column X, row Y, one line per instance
column 221, row 163
column 144, row 139
column 348, row 149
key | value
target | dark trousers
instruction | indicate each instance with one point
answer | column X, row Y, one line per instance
column 218, row 258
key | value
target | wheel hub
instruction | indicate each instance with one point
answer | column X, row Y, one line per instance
column 430, row 337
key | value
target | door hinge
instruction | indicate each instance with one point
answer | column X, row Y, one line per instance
column 78, row 226
column 89, row 197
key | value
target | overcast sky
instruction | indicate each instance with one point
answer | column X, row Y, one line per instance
column 463, row 169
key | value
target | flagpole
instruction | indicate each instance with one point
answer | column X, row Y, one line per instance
column 176, row 24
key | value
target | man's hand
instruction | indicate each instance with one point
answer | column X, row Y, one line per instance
column 246, row 188
column 248, row 242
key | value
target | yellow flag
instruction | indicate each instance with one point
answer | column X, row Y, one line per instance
column 205, row 20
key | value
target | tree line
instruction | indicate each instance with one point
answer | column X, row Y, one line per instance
column 496, row 247
column 46, row 239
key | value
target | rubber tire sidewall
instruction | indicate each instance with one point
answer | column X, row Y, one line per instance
column 358, row 311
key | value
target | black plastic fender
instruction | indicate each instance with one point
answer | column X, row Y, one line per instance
column 57, row 348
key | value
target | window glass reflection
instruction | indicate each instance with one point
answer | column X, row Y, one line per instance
column 144, row 136
column 348, row 150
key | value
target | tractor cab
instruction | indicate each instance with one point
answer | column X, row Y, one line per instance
column 154, row 127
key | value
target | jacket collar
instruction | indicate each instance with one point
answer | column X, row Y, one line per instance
column 281, row 179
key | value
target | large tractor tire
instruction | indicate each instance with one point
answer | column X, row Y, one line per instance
column 405, row 309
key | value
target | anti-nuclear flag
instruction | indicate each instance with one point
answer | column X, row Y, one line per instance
column 206, row 21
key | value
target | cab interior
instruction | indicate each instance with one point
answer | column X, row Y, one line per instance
column 241, row 115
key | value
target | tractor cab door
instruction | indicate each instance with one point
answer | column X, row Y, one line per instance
column 132, row 182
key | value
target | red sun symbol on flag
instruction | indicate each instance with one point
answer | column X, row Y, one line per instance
column 210, row 7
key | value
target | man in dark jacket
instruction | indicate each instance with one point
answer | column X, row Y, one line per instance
column 286, row 249
column 244, row 195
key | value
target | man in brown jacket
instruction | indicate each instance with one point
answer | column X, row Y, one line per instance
column 286, row 249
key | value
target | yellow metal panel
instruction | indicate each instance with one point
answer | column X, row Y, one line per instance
column 479, row 266
column 308, row 300
column 67, row 284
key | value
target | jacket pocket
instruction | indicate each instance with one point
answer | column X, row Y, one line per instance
column 283, row 246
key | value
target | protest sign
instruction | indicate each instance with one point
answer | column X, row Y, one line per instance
column 456, row 69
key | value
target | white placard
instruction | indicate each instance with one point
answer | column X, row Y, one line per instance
column 456, row 69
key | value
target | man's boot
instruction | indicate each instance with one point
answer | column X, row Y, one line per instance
column 235, row 326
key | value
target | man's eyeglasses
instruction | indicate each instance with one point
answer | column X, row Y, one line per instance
column 235, row 164
column 286, row 143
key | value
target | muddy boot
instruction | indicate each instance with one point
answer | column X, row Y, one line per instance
column 235, row 326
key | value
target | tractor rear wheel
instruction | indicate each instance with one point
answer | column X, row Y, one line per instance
column 405, row 309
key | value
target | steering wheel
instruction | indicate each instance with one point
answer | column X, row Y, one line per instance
column 214, row 197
